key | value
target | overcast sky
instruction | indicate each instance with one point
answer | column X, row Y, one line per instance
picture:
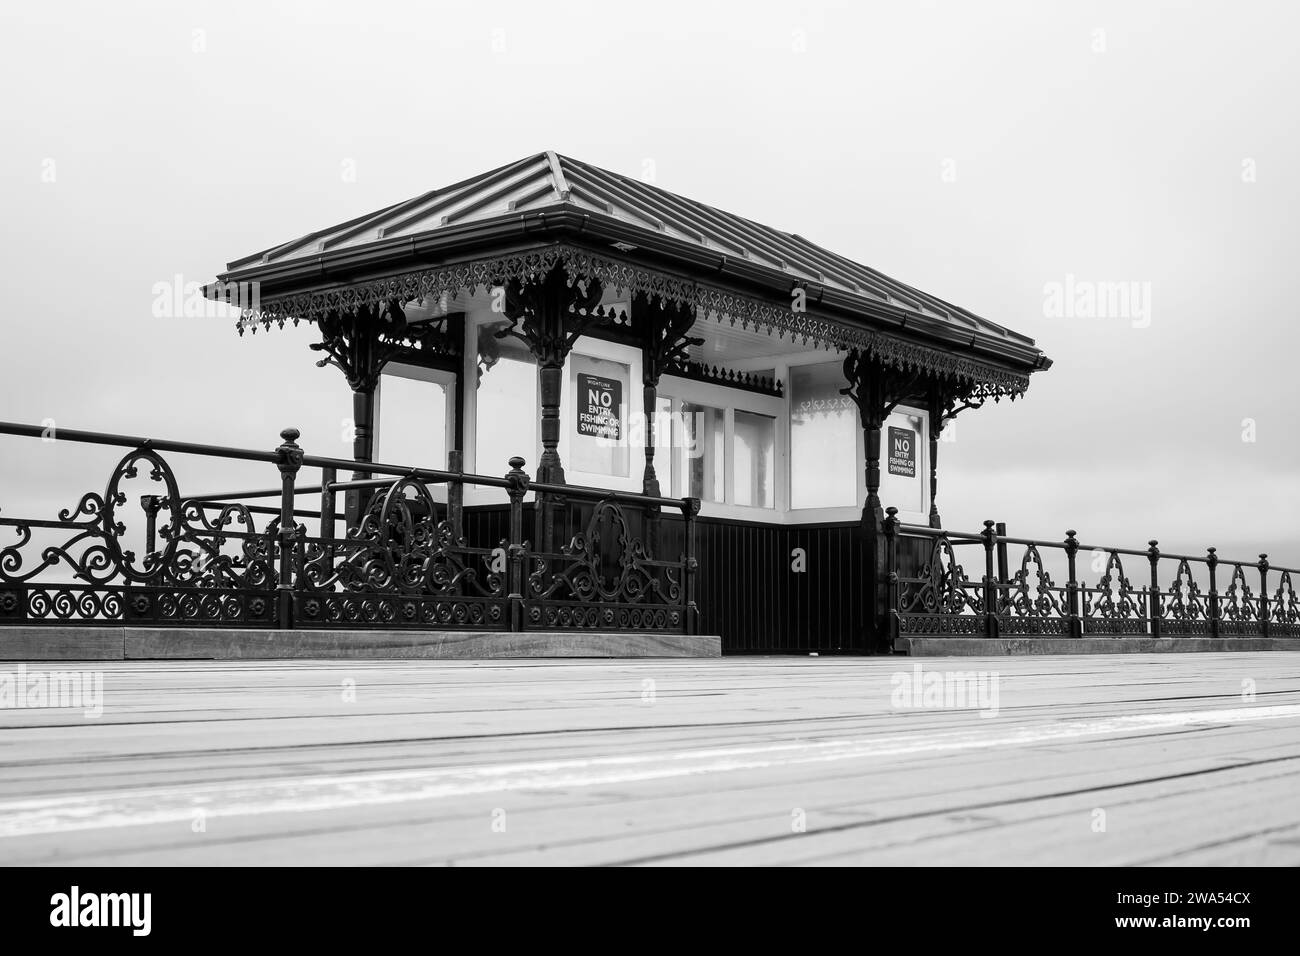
column 979, row 151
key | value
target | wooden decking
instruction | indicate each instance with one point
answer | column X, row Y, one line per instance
column 1133, row 759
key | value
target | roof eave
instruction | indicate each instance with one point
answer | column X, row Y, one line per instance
column 449, row 244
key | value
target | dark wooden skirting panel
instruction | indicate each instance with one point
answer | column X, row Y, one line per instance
column 765, row 588
column 783, row 588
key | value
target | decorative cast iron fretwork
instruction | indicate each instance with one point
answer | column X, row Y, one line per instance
column 362, row 340
column 875, row 387
column 702, row 298
column 665, row 342
column 1114, row 606
column 550, row 313
column 1285, row 606
column 932, row 601
column 401, row 545
column 1032, row 592
column 604, row 563
column 959, row 398
column 605, row 577
column 942, row 586
column 184, row 575
column 209, row 531
column 1238, row 606
column 1183, row 611
column 404, row 562
column 746, row 381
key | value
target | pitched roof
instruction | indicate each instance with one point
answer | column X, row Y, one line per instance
column 548, row 181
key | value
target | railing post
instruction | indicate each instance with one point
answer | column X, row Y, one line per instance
column 290, row 461
column 1154, row 609
column 891, row 577
column 151, row 504
column 1212, row 561
column 691, row 615
column 518, row 479
column 990, row 588
column 1263, row 595
column 1072, row 585
column 650, row 515
column 456, row 494
column 1004, row 569
column 328, row 516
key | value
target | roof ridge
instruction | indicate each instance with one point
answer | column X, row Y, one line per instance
column 557, row 171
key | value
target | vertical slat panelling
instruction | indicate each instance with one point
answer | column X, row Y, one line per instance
column 746, row 588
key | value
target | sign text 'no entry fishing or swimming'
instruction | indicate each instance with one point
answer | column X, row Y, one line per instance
column 902, row 452
column 599, row 403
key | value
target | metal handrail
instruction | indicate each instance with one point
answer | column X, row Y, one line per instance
column 282, row 554
column 917, row 530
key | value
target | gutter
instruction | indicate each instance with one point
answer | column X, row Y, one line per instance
column 471, row 240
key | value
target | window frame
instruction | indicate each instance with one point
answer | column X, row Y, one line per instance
column 475, row 319
column 419, row 373
column 630, row 356
column 839, row 514
column 728, row 401
column 667, row 458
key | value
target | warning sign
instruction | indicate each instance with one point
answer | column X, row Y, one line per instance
column 599, row 402
column 902, row 452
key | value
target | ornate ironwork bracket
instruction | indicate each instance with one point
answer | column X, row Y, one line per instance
column 876, row 388
column 952, row 403
column 664, row 344
column 360, row 342
column 549, row 313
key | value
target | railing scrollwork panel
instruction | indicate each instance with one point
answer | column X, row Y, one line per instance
column 1182, row 598
column 161, row 557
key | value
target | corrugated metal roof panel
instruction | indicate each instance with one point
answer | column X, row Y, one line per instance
column 548, row 179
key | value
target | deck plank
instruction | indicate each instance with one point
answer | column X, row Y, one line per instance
column 1194, row 758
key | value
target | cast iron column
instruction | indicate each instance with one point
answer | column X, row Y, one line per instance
column 549, row 314
column 936, row 410
column 663, row 326
column 351, row 343
column 875, row 388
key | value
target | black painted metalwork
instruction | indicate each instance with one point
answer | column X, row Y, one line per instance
column 406, row 563
column 716, row 375
column 1180, row 598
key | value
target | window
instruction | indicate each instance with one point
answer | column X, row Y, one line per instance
column 506, row 407
column 753, row 460
column 702, row 453
column 414, row 411
column 720, row 453
column 824, row 459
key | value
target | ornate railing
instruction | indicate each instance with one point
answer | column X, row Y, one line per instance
column 399, row 558
column 960, row 584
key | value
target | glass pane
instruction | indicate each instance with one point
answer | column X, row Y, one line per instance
column 506, row 417
column 703, row 447
column 753, row 466
column 412, row 423
column 598, row 426
column 824, row 464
